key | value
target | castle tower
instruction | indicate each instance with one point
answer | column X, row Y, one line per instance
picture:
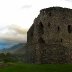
column 49, row 39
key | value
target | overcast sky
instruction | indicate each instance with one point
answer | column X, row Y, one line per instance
column 16, row 16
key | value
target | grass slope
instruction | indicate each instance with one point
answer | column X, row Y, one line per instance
column 37, row 68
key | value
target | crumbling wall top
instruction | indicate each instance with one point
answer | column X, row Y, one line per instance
column 55, row 8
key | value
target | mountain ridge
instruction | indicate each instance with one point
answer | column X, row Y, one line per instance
column 16, row 49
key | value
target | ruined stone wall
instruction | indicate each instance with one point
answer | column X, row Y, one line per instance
column 50, row 37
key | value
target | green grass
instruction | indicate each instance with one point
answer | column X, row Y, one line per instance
column 37, row 68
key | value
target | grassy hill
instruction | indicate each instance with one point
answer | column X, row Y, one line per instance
column 37, row 68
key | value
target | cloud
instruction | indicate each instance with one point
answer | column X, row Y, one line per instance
column 14, row 38
column 69, row 0
column 14, row 33
column 17, row 29
column 27, row 6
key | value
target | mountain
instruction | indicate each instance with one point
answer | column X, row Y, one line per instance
column 16, row 49
column 6, row 44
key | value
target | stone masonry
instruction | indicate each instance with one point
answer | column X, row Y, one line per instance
column 49, row 39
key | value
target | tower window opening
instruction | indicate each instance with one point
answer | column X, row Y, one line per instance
column 41, row 25
column 32, row 34
column 41, row 40
column 63, row 17
column 61, row 40
column 69, row 28
column 58, row 28
column 50, row 14
column 48, row 24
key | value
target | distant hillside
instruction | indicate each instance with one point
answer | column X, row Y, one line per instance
column 6, row 44
column 16, row 49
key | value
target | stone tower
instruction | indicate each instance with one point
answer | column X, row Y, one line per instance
column 49, row 39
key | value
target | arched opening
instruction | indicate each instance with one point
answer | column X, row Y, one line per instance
column 69, row 28
column 41, row 25
column 41, row 28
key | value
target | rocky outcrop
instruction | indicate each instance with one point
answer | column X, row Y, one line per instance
column 49, row 39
